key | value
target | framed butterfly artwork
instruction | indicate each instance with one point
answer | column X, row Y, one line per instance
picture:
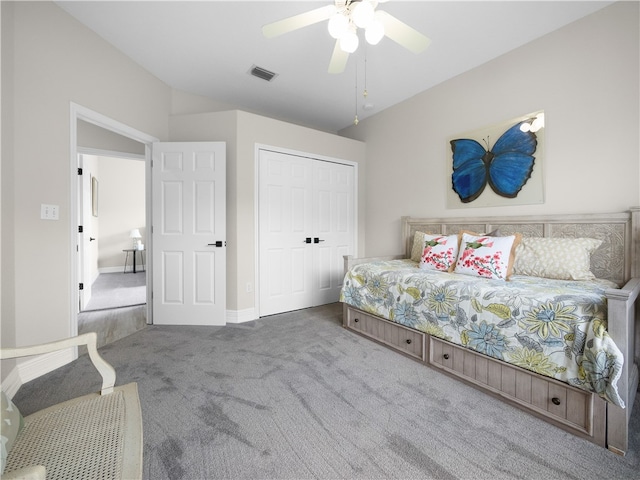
column 499, row 165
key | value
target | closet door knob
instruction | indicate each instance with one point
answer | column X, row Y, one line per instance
column 356, row 320
column 408, row 341
column 555, row 401
column 446, row 356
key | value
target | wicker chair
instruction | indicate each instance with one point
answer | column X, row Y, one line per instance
column 94, row 436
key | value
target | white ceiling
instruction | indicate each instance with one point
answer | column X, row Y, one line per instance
column 208, row 47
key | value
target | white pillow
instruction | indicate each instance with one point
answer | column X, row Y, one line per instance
column 439, row 252
column 485, row 256
column 559, row 258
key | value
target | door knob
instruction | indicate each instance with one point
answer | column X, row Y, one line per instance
column 317, row 240
column 91, row 239
column 217, row 244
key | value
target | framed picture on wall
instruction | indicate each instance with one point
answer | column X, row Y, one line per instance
column 94, row 196
column 498, row 165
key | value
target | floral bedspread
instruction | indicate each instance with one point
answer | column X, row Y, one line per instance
column 556, row 328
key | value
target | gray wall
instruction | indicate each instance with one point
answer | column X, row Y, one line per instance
column 585, row 77
column 48, row 61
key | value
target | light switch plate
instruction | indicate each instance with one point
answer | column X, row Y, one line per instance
column 49, row 212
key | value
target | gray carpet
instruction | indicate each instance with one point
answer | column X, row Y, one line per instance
column 115, row 290
column 113, row 324
column 297, row 396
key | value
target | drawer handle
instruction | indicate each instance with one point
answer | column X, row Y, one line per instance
column 555, row 401
column 356, row 320
column 408, row 341
column 446, row 356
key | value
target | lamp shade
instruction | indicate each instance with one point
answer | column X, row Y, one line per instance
column 363, row 13
column 349, row 42
column 135, row 233
column 374, row 32
column 338, row 25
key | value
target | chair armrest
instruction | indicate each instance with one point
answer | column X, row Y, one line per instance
column 89, row 339
column 36, row 472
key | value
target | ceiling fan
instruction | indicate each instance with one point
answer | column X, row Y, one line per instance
column 344, row 18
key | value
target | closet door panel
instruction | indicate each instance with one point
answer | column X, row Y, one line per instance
column 306, row 215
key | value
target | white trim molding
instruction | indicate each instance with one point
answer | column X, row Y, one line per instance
column 79, row 112
column 12, row 383
column 241, row 316
column 35, row 367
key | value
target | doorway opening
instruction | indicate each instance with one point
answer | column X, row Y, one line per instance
column 116, row 164
column 112, row 215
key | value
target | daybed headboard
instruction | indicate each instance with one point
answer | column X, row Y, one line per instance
column 617, row 259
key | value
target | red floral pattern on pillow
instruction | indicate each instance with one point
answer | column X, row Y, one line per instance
column 485, row 256
column 440, row 252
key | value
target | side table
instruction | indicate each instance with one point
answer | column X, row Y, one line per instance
column 126, row 259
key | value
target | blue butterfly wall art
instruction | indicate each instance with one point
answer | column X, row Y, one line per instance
column 506, row 166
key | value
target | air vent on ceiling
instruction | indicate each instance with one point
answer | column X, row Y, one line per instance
column 262, row 73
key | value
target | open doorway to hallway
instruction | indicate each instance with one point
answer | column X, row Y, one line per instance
column 114, row 256
column 112, row 212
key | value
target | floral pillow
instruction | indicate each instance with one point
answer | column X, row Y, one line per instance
column 439, row 252
column 559, row 258
column 486, row 256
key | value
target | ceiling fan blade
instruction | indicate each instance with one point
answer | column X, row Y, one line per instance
column 338, row 59
column 402, row 33
column 290, row 24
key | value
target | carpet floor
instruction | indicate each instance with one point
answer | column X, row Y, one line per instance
column 296, row 396
column 115, row 290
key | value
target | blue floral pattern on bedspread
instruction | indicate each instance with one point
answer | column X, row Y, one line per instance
column 556, row 328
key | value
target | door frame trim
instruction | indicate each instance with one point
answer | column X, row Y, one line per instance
column 79, row 112
column 256, row 197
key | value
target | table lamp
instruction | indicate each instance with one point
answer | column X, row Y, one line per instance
column 135, row 234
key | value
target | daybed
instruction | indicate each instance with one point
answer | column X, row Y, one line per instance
column 98, row 435
column 561, row 349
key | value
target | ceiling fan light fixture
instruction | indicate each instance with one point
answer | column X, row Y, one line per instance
column 374, row 32
column 349, row 41
column 338, row 25
column 363, row 14
column 343, row 18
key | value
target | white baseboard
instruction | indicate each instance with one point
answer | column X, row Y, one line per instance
column 35, row 367
column 241, row 316
column 111, row 269
column 12, row 383
column 139, row 269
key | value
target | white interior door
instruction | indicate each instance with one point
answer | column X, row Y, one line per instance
column 189, row 233
column 307, row 224
column 85, row 252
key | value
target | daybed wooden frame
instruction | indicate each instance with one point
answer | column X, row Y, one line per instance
column 577, row 411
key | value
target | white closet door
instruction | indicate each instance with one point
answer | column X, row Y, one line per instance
column 306, row 216
column 333, row 194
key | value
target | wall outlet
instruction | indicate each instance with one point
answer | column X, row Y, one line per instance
column 249, row 287
column 49, row 212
